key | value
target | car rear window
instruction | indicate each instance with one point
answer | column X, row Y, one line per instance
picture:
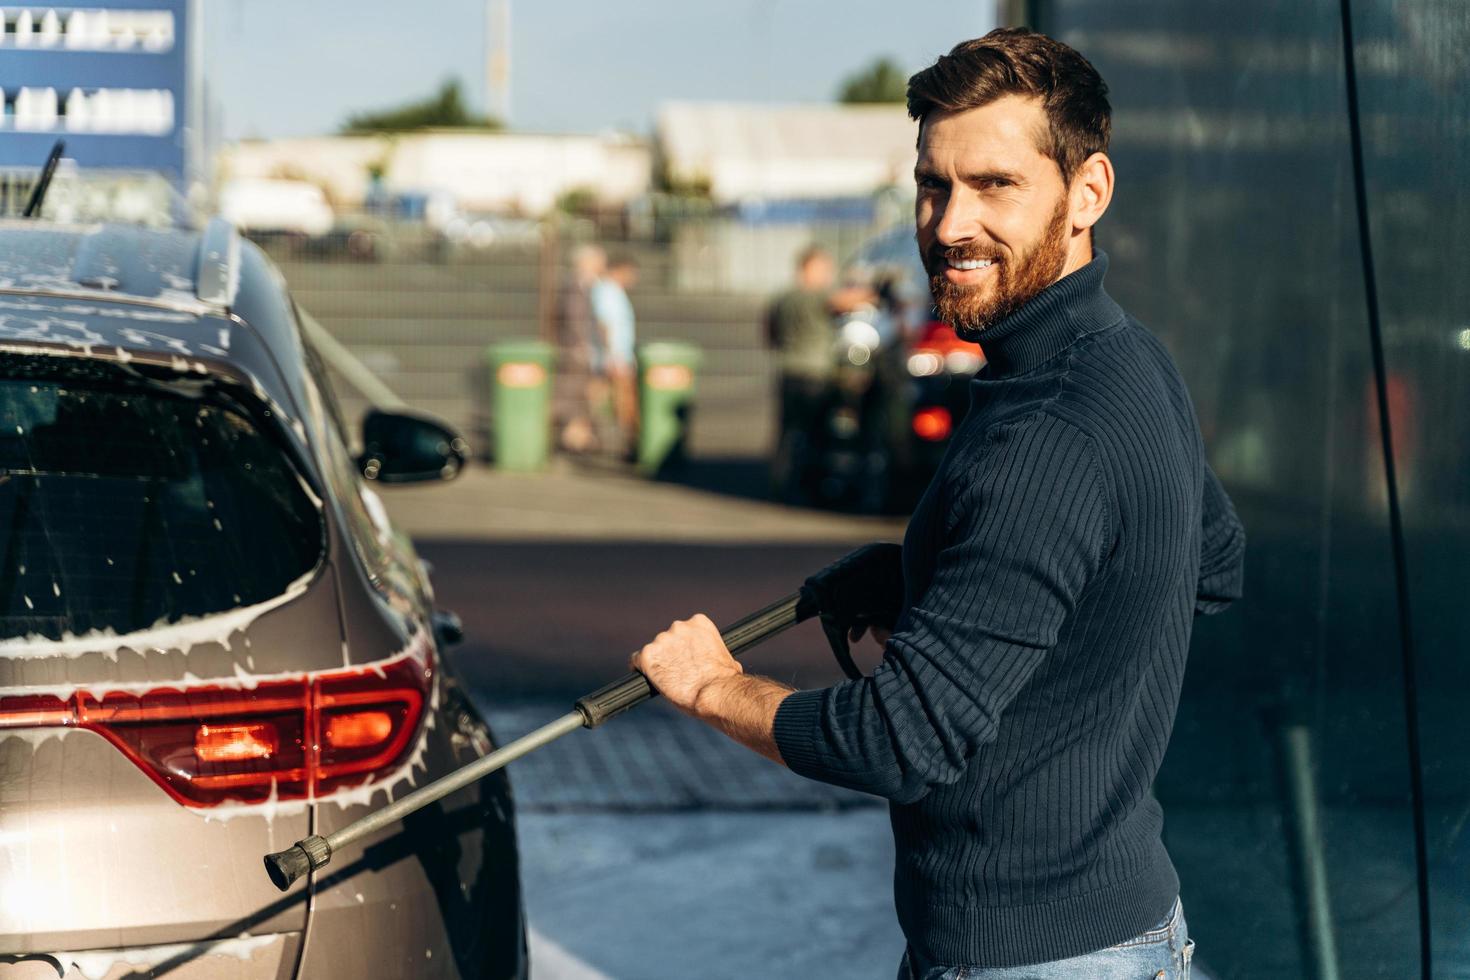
column 126, row 503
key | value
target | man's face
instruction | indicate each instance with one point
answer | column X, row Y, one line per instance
column 993, row 216
column 819, row 273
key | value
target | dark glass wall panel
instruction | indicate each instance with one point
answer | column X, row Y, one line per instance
column 1234, row 236
column 1413, row 60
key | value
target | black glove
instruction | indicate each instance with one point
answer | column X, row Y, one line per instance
column 864, row 588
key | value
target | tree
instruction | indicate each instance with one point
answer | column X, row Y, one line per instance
column 881, row 81
column 444, row 108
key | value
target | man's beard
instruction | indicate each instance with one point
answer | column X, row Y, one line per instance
column 970, row 310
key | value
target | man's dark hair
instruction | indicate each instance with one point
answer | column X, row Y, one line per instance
column 1017, row 61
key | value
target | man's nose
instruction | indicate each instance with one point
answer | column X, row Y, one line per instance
column 960, row 220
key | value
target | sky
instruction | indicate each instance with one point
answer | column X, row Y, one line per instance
column 299, row 67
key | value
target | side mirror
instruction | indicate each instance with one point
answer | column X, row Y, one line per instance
column 399, row 447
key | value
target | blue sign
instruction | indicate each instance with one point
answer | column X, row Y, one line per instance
column 115, row 80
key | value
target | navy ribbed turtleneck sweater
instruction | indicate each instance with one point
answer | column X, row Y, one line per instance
column 1052, row 572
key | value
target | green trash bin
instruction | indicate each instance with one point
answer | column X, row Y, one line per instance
column 520, row 375
column 666, row 372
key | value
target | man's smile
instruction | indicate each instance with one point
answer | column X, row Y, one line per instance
column 967, row 272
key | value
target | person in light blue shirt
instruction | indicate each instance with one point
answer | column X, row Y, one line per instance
column 615, row 318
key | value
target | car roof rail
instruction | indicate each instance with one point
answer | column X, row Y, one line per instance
column 218, row 277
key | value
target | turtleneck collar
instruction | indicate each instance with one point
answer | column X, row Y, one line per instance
column 1051, row 321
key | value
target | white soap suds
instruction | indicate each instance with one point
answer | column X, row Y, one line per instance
column 94, row 964
column 151, row 340
column 182, row 634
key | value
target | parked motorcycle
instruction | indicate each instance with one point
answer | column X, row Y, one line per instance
column 897, row 388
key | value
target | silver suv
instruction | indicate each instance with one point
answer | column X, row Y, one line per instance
column 212, row 641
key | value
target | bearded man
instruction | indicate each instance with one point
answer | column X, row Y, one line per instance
column 1036, row 621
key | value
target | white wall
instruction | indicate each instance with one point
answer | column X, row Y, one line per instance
column 484, row 171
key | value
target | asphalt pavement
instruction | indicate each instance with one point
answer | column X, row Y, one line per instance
column 654, row 847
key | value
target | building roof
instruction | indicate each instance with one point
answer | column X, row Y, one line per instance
column 758, row 151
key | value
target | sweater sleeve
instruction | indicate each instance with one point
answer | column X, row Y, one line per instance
column 1026, row 534
column 1222, row 550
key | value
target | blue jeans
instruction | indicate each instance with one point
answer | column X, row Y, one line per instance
column 1161, row 953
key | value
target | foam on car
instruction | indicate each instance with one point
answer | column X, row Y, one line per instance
column 181, row 635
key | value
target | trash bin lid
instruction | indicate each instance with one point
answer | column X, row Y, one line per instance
column 670, row 352
column 522, row 350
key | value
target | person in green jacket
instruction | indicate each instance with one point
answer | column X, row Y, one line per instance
column 799, row 329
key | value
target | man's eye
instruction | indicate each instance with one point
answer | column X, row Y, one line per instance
column 996, row 182
column 930, row 184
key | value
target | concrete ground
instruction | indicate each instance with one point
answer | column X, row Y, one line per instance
column 589, row 502
column 654, row 847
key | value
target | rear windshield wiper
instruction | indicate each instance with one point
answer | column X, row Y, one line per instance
column 38, row 194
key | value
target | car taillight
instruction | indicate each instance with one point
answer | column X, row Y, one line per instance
column 364, row 724
column 297, row 738
column 939, row 335
column 938, row 348
column 232, row 743
column 933, row 424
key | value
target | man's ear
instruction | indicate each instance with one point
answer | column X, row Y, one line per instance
column 1092, row 191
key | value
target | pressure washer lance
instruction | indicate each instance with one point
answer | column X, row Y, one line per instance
column 314, row 853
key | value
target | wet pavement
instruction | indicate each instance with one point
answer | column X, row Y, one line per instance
column 654, row 847
column 653, row 759
column 713, row 894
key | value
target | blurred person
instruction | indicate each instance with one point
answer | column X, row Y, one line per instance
column 613, row 312
column 799, row 328
column 581, row 353
column 1036, row 621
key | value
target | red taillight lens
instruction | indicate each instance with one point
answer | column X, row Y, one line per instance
column 203, row 744
column 34, row 711
column 358, row 729
column 295, row 738
column 933, row 424
column 234, row 743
